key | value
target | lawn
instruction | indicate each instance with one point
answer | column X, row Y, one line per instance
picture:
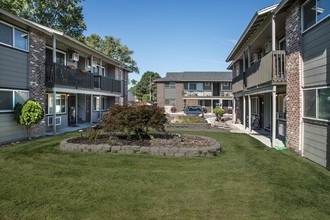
column 247, row 181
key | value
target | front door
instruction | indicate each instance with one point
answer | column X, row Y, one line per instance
column 72, row 110
column 88, row 108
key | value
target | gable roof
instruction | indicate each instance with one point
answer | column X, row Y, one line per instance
column 59, row 34
column 196, row 77
column 250, row 30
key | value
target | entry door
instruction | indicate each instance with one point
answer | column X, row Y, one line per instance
column 72, row 110
column 88, row 108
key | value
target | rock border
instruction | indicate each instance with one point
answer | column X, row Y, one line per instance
column 153, row 150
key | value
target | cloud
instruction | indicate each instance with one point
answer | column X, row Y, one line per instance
column 227, row 42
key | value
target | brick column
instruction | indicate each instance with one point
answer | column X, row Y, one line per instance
column 179, row 97
column 294, row 76
column 37, row 89
column 160, row 94
column 125, row 98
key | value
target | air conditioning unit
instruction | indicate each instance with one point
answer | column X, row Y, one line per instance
column 255, row 57
column 74, row 57
column 268, row 47
column 94, row 63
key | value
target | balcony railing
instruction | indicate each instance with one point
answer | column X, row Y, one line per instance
column 107, row 84
column 201, row 93
column 59, row 75
column 270, row 69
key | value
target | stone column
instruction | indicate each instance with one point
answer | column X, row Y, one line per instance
column 37, row 88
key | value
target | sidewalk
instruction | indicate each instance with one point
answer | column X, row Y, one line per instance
column 261, row 135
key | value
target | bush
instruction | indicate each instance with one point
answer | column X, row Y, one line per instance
column 30, row 113
column 134, row 120
column 218, row 113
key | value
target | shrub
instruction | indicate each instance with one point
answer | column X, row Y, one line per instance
column 218, row 113
column 30, row 114
column 134, row 120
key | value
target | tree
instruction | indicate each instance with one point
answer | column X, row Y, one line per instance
column 30, row 113
column 113, row 48
column 65, row 16
column 146, row 86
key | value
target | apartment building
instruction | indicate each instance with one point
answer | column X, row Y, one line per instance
column 208, row 89
column 280, row 73
column 74, row 83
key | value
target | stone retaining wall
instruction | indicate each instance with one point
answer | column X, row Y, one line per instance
column 154, row 150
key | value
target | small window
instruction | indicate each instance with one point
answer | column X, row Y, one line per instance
column 170, row 102
column 6, row 101
column 324, row 104
column 172, row 85
column 310, row 103
column 192, row 86
column 60, row 104
column 21, row 40
column 207, row 86
column 6, row 35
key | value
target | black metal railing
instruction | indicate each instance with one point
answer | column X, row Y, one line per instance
column 59, row 75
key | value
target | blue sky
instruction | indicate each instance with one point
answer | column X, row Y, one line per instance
column 173, row 35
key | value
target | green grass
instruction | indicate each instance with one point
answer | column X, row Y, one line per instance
column 247, row 181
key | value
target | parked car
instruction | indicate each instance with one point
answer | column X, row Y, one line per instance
column 194, row 110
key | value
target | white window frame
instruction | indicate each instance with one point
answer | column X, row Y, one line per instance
column 316, row 102
column 14, row 98
column 59, row 51
column 316, row 21
column 50, row 103
column 13, row 36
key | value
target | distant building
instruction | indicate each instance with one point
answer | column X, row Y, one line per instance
column 208, row 89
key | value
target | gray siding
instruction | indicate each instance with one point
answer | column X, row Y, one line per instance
column 316, row 55
column 316, row 142
column 64, row 122
column 13, row 68
column 10, row 129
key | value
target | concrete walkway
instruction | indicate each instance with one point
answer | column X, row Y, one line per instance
column 70, row 129
column 261, row 135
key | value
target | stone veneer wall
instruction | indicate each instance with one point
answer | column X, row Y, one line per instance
column 179, row 97
column 37, row 89
column 294, row 75
column 161, row 94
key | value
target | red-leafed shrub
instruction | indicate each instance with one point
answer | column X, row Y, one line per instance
column 134, row 120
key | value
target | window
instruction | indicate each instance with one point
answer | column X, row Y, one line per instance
column 170, row 102
column 9, row 98
column 254, row 105
column 192, row 86
column 172, row 85
column 120, row 75
column 14, row 37
column 314, row 11
column 99, row 103
column 207, row 86
column 317, row 103
column 60, row 56
column 60, row 104
column 102, row 71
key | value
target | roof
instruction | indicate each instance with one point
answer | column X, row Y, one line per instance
column 52, row 32
column 196, row 77
column 250, row 30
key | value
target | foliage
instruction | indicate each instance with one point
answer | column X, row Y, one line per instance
column 146, row 86
column 18, row 111
column 92, row 133
column 66, row 16
column 31, row 113
column 189, row 119
column 218, row 112
column 134, row 120
column 113, row 48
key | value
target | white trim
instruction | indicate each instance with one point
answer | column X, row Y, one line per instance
column 60, row 51
column 13, row 98
column 13, row 37
column 316, row 21
column 51, row 124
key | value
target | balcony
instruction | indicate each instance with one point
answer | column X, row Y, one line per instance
column 269, row 70
column 59, row 75
column 201, row 93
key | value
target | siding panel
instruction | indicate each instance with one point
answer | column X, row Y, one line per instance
column 316, row 146
column 13, row 68
column 10, row 129
column 316, row 55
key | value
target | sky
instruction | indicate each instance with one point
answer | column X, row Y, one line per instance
column 173, row 35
